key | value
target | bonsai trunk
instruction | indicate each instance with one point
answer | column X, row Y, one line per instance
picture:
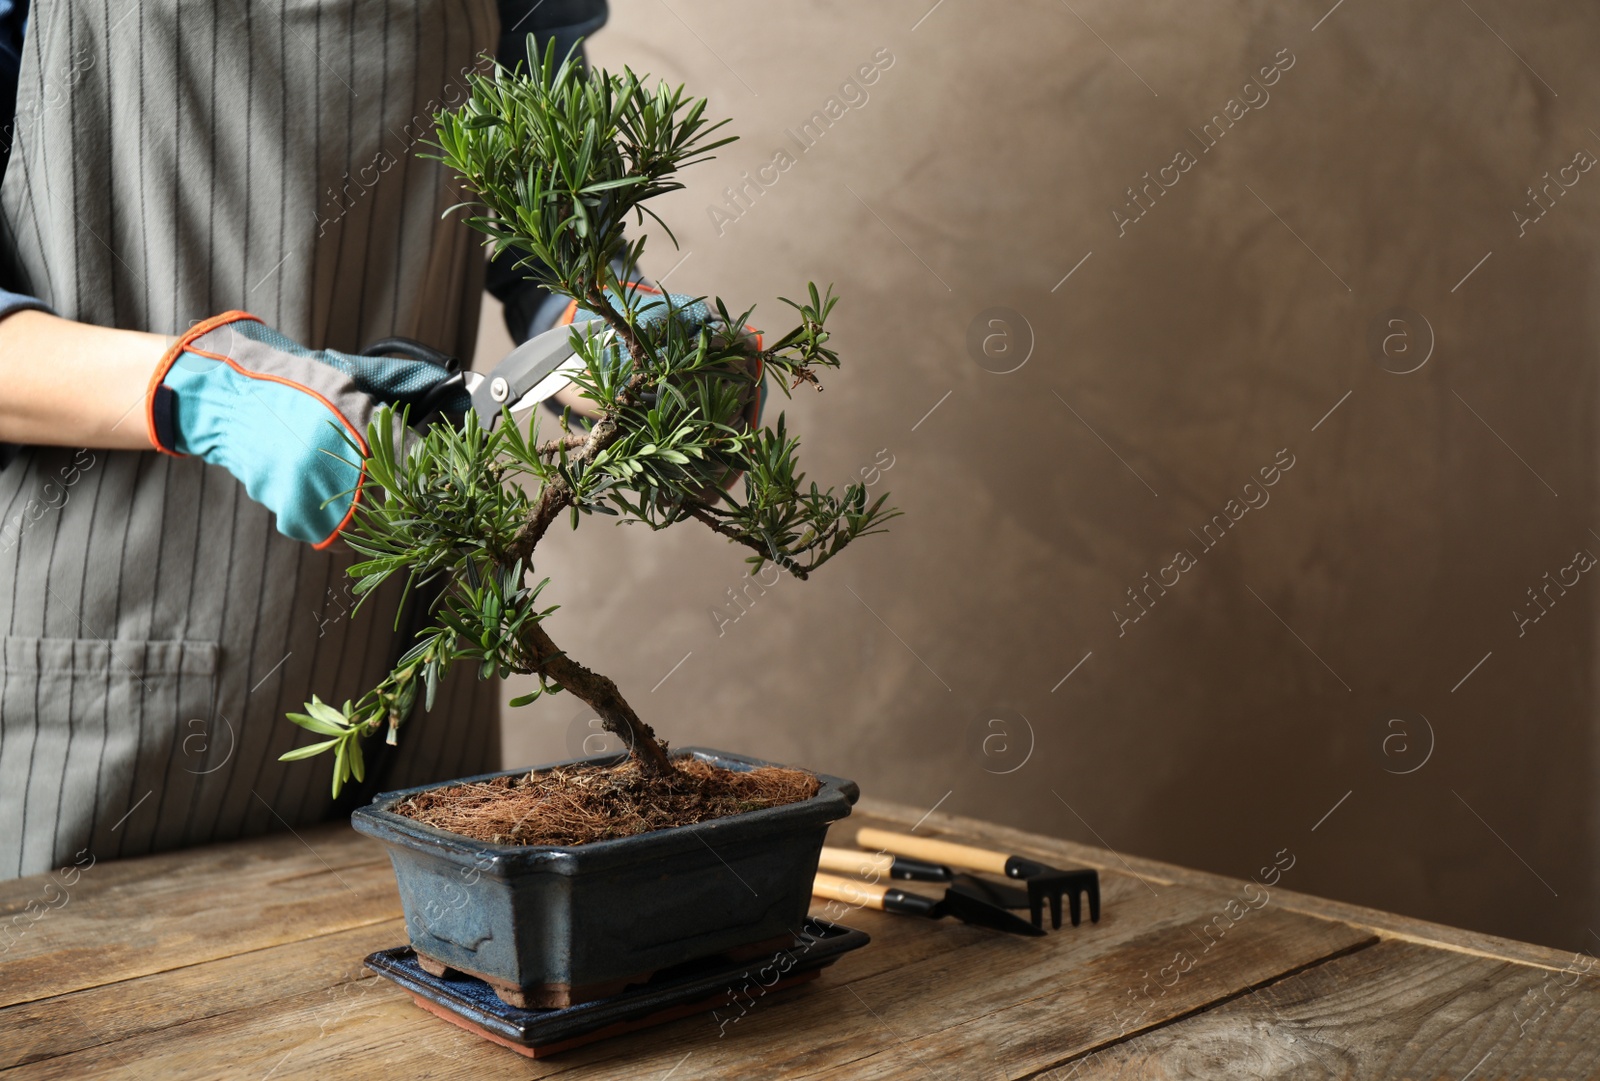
column 548, row 660
column 601, row 694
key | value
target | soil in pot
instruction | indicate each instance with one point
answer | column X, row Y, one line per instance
column 572, row 805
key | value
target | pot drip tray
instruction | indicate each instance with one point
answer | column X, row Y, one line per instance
column 730, row 989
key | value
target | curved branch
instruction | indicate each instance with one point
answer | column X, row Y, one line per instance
column 566, row 442
column 601, row 695
column 557, row 494
column 699, row 514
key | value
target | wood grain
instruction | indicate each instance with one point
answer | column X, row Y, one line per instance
column 923, row 996
column 245, row 960
column 1397, row 1010
column 329, row 964
column 128, row 918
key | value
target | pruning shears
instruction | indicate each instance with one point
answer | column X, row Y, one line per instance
column 529, row 374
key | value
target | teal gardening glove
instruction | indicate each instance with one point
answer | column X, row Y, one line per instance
column 651, row 308
column 236, row 393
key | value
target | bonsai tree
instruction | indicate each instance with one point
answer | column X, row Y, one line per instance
column 557, row 161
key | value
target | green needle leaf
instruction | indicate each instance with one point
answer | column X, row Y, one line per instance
column 309, row 751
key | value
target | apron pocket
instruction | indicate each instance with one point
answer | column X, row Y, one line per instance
column 98, row 754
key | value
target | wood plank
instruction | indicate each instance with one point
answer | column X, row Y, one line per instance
column 334, row 842
column 127, row 918
column 344, row 1017
column 1399, row 1009
column 285, row 977
column 1050, row 849
column 247, row 958
column 43, row 1029
column 982, row 1011
column 1000, row 1005
column 368, row 1030
column 935, row 992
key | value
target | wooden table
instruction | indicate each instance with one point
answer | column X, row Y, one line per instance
column 244, row 960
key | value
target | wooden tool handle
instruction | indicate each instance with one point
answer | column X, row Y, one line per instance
column 926, row 848
column 847, row 861
column 849, row 891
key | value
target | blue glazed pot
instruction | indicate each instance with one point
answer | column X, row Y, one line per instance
column 549, row 926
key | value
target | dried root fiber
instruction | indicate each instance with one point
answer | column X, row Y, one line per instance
column 573, row 805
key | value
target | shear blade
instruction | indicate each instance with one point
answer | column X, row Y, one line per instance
column 529, row 374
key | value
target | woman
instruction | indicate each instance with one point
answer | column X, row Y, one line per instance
column 171, row 486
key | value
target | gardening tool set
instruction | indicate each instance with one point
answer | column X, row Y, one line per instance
column 967, row 897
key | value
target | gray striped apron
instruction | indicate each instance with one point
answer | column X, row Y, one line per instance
column 172, row 161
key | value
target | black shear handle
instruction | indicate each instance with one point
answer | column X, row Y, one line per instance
column 427, row 410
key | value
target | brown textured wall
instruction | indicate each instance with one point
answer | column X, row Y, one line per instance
column 1178, row 359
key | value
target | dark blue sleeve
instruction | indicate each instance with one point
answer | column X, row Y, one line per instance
column 13, row 19
column 16, row 302
column 565, row 21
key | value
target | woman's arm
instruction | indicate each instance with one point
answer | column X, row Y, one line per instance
column 75, row 385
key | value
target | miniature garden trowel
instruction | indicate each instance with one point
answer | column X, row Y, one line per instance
column 1044, row 882
column 957, row 902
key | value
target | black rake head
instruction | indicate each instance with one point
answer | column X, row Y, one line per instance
column 1048, row 884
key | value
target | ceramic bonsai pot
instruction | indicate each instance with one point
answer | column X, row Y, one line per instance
column 550, row 926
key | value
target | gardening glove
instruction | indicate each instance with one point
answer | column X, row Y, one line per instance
column 652, row 309
column 288, row 422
